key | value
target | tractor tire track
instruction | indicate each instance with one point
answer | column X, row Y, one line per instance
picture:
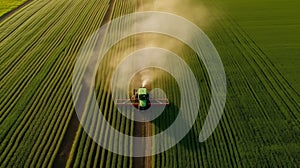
column 142, row 129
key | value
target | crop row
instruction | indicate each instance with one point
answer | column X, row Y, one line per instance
column 39, row 45
column 38, row 54
column 86, row 152
column 260, row 107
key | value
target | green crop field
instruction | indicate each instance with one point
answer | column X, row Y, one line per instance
column 8, row 5
column 274, row 26
column 259, row 45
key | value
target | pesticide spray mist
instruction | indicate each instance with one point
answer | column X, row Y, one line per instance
column 122, row 56
column 191, row 10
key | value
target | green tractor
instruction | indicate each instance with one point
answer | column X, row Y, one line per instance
column 141, row 99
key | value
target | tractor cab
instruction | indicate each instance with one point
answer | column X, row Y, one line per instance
column 142, row 98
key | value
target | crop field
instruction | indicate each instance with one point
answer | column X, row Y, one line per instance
column 274, row 26
column 9, row 5
column 259, row 45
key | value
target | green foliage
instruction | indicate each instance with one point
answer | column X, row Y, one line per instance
column 274, row 26
column 8, row 5
column 258, row 42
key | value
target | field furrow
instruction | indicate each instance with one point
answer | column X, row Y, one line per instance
column 39, row 45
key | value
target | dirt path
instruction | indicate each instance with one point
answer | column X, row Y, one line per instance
column 148, row 132
column 142, row 130
column 66, row 145
column 6, row 15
